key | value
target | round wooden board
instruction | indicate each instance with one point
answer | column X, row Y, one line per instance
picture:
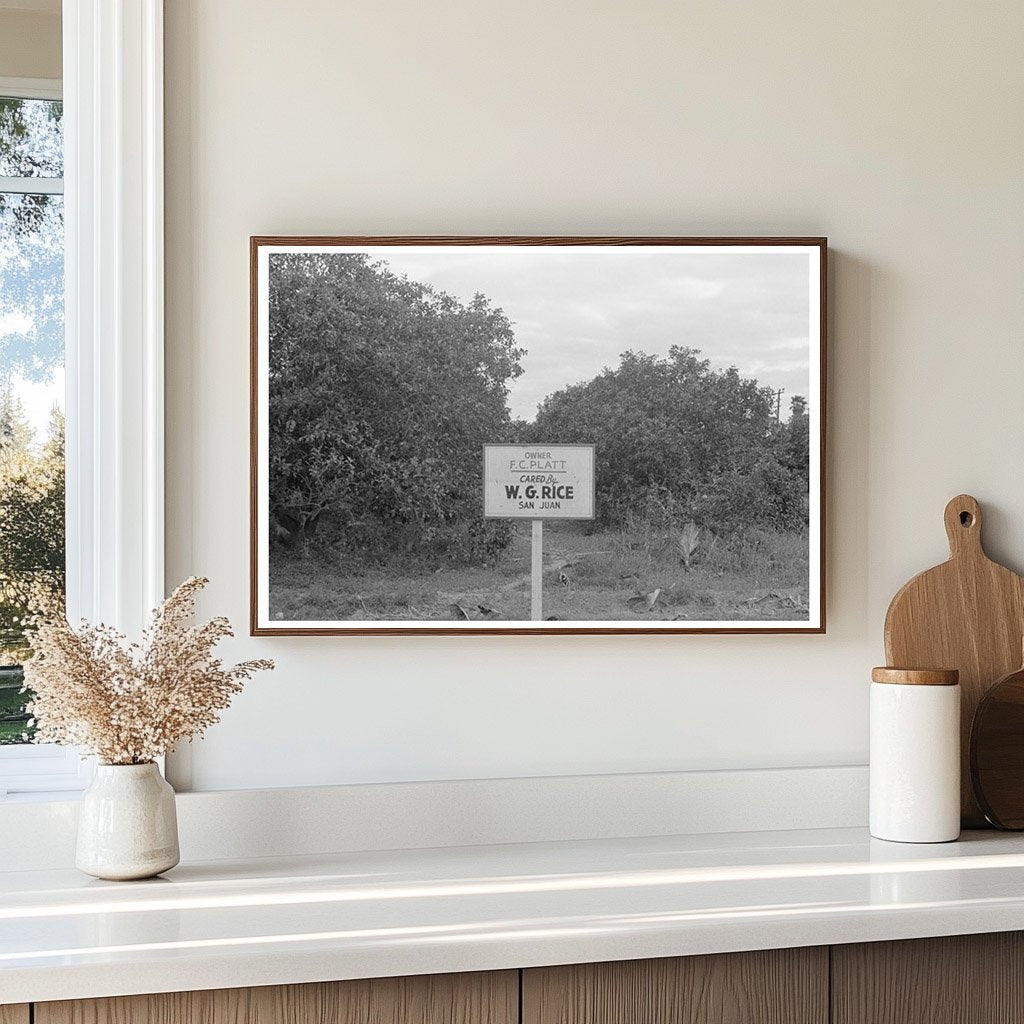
column 997, row 752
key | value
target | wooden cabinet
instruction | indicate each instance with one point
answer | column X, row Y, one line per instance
column 968, row 979
column 962, row 979
column 491, row 998
column 778, row 986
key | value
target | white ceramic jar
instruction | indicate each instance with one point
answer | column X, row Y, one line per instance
column 915, row 755
column 127, row 823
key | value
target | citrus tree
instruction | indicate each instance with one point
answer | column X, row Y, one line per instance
column 677, row 440
column 382, row 392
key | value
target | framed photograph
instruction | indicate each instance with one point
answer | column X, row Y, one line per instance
column 537, row 435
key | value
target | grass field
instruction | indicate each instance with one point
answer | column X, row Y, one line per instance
column 631, row 575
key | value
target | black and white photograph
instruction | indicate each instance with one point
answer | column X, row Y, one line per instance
column 537, row 435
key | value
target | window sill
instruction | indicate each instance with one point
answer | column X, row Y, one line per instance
column 43, row 770
column 41, row 797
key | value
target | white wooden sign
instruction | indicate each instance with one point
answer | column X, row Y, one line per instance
column 538, row 482
column 543, row 481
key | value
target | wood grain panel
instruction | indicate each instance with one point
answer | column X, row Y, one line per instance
column 778, row 986
column 14, row 1014
column 967, row 614
column 483, row 998
column 962, row 979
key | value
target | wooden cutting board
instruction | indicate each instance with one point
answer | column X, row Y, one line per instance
column 997, row 752
column 967, row 614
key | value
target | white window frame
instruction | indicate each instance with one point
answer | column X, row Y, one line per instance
column 31, row 89
column 114, row 264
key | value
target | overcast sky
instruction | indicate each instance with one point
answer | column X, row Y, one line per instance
column 576, row 310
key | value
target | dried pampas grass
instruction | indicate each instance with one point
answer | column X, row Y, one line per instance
column 130, row 703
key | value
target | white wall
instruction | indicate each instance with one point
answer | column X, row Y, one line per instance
column 895, row 129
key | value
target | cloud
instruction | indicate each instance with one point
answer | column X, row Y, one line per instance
column 576, row 310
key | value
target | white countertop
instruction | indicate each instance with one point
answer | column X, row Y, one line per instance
column 352, row 915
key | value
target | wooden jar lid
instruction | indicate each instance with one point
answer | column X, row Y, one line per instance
column 916, row 676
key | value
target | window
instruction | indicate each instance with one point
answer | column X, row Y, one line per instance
column 31, row 383
column 32, row 533
column 112, row 205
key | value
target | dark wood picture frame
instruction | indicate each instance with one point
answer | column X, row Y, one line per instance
column 816, row 624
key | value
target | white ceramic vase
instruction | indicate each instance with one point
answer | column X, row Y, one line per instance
column 127, row 825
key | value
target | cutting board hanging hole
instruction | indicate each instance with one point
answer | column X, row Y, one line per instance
column 963, row 525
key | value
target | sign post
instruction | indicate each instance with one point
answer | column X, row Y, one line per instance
column 538, row 482
column 537, row 571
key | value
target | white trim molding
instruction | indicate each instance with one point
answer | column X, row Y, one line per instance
column 113, row 112
column 242, row 824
